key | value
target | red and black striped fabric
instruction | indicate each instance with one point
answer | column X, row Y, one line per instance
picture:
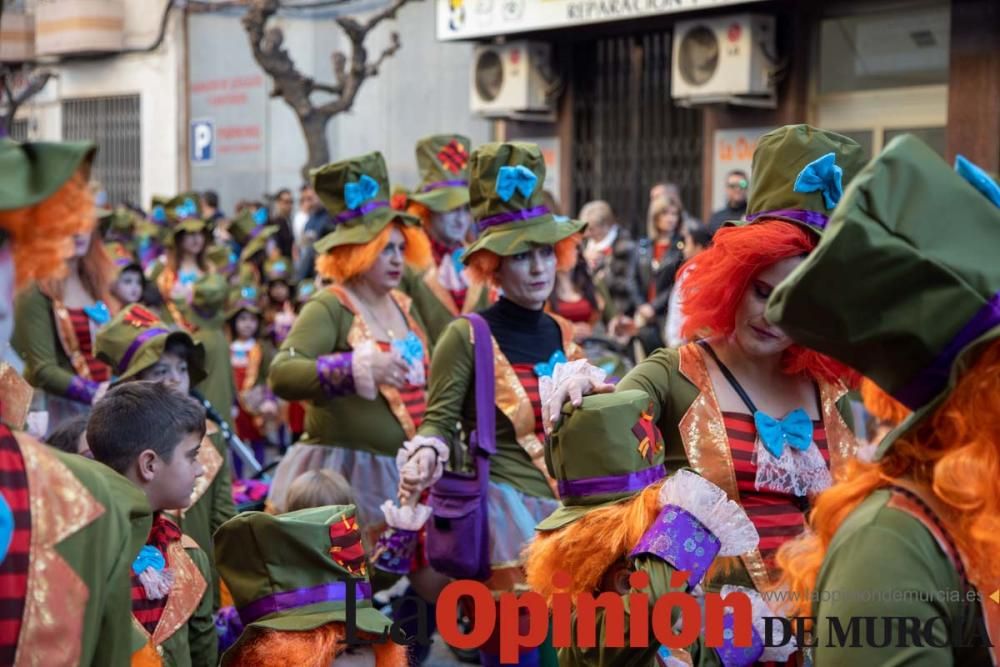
column 99, row 371
column 14, row 569
column 414, row 398
column 440, row 252
column 148, row 612
column 528, row 379
column 777, row 516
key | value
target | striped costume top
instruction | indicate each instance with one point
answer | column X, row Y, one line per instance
column 14, row 568
column 99, row 371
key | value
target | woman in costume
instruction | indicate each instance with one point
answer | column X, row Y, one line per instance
column 766, row 420
column 357, row 351
column 186, row 259
column 922, row 519
column 57, row 320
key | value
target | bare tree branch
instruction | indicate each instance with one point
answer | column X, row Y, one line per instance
column 35, row 83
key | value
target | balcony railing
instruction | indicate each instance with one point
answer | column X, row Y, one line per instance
column 17, row 37
column 69, row 27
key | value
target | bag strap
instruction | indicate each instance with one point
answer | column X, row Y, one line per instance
column 486, row 431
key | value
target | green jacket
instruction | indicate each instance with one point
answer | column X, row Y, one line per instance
column 324, row 327
column 883, row 562
column 102, row 523
column 218, row 385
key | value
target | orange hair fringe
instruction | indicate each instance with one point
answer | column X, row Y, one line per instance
column 954, row 452
column 881, row 405
column 345, row 262
column 96, row 270
column 41, row 233
column 717, row 279
column 483, row 265
column 309, row 648
column 417, row 209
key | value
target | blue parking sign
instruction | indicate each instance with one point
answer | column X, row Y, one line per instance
column 202, row 141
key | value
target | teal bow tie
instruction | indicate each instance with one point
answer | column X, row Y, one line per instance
column 98, row 312
column 544, row 369
column 795, row 430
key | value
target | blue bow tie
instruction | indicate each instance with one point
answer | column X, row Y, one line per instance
column 98, row 312
column 362, row 190
column 795, row 430
column 411, row 349
column 824, row 176
column 511, row 179
column 544, row 369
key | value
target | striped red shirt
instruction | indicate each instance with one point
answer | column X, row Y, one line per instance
column 526, row 375
column 148, row 612
column 99, row 371
column 14, row 569
column 777, row 516
column 414, row 398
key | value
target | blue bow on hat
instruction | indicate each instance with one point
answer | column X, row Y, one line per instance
column 979, row 179
column 98, row 312
column 260, row 216
column 362, row 190
column 6, row 527
column 519, row 178
column 822, row 175
column 159, row 214
column 411, row 349
column 249, row 292
column 186, row 210
column 546, row 369
column 795, row 430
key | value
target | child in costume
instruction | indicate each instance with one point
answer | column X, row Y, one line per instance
column 917, row 530
column 152, row 437
column 289, row 576
column 130, row 282
column 251, row 232
column 138, row 346
column 71, row 526
column 766, row 420
column 185, row 259
column 250, row 355
column 621, row 514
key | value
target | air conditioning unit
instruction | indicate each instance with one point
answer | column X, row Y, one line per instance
column 511, row 79
column 724, row 59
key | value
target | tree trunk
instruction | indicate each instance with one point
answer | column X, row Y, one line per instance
column 314, row 131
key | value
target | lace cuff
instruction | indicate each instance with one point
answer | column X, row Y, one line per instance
column 396, row 547
column 335, row 373
column 361, row 367
column 706, row 502
column 760, row 611
column 82, row 390
column 563, row 373
column 410, row 447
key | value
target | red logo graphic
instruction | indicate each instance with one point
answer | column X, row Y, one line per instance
column 140, row 318
column 454, row 157
column 650, row 440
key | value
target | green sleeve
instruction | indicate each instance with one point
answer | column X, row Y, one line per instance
column 267, row 353
column 451, row 375
column 652, row 375
column 431, row 312
column 202, row 638
column 36, row 341
column 218, row 387
column 223, row 507
column 316, row 332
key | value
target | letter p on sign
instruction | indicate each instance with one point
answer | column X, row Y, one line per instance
column 202, row 141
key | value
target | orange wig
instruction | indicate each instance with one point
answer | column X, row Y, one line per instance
column 881, row 405
column 96, row 271
column 717, row 279
column 344, row 262
column 417, row 209
column 954, row 453
column 484, row 265
column 41, row 232
column 310, row 648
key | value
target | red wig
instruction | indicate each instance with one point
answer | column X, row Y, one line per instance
column 344, row 262
column 484, row 264
column 717, row 279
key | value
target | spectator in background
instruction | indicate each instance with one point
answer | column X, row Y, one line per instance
column 602, row 233
column 667, row 190
column 317, row 226
column 695, row 240
column 736, row 200
column 301, row 217
column 657, row 260
column 281, row 217
column 210, row 208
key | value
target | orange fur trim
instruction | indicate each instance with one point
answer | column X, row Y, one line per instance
column 953, row 452
column 881, row 405
column 345, row 262
column 41, row 233
column 309, row 648
column 484, row 265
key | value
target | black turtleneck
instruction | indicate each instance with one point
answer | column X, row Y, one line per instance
column 524, row 336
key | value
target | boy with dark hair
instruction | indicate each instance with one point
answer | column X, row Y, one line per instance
column 151, row 436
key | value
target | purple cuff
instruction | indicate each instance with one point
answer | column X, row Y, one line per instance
column 437, row 185
column 228, row 627
column 81, row 390
column 335, row 375
column 678, row 538
column 395, row 550
column 738, row 656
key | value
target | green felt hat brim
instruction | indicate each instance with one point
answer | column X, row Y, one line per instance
column 151, row 351
column 233, row 312
column 33, row 172
column 443, row 200
column 367, row 619
column 258, row 243
column 517, row 237
column 567, row 514
column 766, row 218
column 370, row 225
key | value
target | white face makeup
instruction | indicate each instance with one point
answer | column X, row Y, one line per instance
column 451, row 226
column 387, row 271
column 528, row 278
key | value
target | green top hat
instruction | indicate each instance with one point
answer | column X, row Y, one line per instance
column 208, row 303
column 888, row 292
column 135, row 340
column 124, row 259
column 223, row 257
column 443, row 160
column 505, row 191
column 183, row 213
column 799, row 174
column 603, row 452
column 292, row 572
column 245, row 227
column 355, row 193
column 32, row 172
column 120, row 223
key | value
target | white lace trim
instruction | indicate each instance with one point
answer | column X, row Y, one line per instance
column 723, row 517
column 405, row 516
column 563, row 373
column 361, row 370
column 410, row 447
column 760, row 610
column 794, row 472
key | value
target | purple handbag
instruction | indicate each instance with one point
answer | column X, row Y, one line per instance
column 458, row 533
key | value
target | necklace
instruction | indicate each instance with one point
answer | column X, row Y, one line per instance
column 369, row 317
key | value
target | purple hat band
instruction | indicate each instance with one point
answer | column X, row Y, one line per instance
column 135, row 345
column 334, row 591
column 257, row 231
column 360, row 211
column 811, row 218
column 931, row 380
column 599, row 486
column 437, row 185
column 511, row 216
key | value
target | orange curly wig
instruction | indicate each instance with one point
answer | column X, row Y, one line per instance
column 483, row 265
column 718, row 277
column 310, row 648
column 881, row 405
column 41, row 233
column 954, row 452
column 96, row 271
column 345, row 262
